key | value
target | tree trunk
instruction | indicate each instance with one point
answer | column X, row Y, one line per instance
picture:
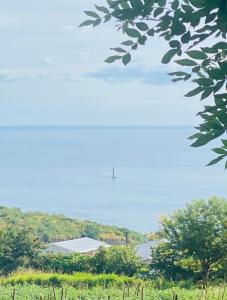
column 205, row 271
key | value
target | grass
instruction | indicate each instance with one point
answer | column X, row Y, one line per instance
column 77, row 280
column 81, row 286
column 34, row 292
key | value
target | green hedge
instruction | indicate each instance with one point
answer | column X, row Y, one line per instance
column 75, row 280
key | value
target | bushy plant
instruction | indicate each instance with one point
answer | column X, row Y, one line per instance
column 18, row 248
column 194, row 241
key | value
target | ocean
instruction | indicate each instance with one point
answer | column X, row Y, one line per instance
column 68, row 170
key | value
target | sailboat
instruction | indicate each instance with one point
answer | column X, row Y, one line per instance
column 113, row 176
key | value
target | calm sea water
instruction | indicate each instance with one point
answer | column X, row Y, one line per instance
column 68, row 170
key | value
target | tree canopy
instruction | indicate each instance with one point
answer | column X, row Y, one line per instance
column 196, row 33
column 18, row 248
column 193, row 238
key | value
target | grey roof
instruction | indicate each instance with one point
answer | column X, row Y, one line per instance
column 144, row 250
column 81, row 245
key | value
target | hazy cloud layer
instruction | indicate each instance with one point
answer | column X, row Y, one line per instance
column 52, row 72
column 132, row 73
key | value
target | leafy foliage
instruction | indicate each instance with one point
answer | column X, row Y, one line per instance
column 117, row 260
column 51, row 228
column 187, row 26
column 193, row 239
column 18, row 248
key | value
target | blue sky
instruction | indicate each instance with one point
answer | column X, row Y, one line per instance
column 52, row 72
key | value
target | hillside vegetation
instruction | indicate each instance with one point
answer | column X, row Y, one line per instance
column 51, row 228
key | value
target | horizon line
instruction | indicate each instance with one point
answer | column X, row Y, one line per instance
column 93, row 125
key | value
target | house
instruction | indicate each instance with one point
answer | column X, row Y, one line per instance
column 144, row 251
column 85, row 246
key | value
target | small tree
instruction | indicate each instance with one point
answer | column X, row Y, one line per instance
column 166, row 262
column 18, row 248
column 120, row 260
column 196, row 232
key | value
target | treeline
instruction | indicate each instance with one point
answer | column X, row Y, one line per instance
column 190, row 245
column 51, row 228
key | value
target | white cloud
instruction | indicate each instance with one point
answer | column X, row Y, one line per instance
column 12, row 75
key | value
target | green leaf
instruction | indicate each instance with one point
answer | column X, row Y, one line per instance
column 209, row 50
column 186, row 62
column 136, row 4
column 216, row 160
column 120, row 50
column 142, row 26
column 224, row 143
column 186, row 37
column 223, row 66
column 194, row 136
column 102, row 9
column 162, row 3
column 206, row 93
column 86, row 23
column 203, row 139
column 177, row 79
column 218, row 86
column 158, row 11
column 179, row 73
column 177, row 28
column 168, row 56
column 126, row 58
column 112, row 59
column 204, row 81
column 194, row 92
column 196, row 54
column 220, row 151
column 174, row 44
column 142, row 40
column 151, row 32
column 132, row 32
column 128, row 43
column 197, row 3
column 92, row 14
column 220, row 45
column 216, row 74
column 107, row 18
column 175, row 4
column 97, row 22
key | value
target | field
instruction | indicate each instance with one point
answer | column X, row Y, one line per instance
column 32, row 292
column 81, row 286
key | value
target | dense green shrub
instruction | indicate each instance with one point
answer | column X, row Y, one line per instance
column 18, row 248
column 63, row 263
column 119, row 260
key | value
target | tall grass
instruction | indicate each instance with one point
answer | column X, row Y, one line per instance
column 34, row 292
column 32, row 285
column 78, row 280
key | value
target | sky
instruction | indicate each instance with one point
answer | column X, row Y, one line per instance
column 53, row 73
